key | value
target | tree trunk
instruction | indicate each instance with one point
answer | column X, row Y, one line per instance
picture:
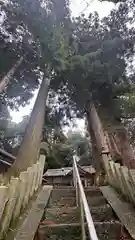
column 97, row 128
column 95, row 152
column 98, row 136
column 29, row 149
column 5, row 80
column 113, row 147
column 120, row 147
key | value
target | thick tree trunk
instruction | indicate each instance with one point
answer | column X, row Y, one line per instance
column 98, row 136
column 95, row 152
column 113, row 147
column 97, row 129
column 120, row 147
column 6, row 79
column 29, row 149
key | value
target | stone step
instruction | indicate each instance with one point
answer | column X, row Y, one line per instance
column 72, row 214
column 102, row 213
column 70, row 201
column 96, row 201
column 124, row 210
column 70, row 191
column 71, row 187
column 62, row 202
column 106, row 230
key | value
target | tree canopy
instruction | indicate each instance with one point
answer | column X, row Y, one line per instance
column 86, row 58
column 103, row 50
column 31, row 29
column 76, row 50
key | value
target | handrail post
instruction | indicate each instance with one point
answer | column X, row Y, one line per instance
column 74, row 178
column 77, row 194
column 84, row 207
column 75, row 183
column 82, row 220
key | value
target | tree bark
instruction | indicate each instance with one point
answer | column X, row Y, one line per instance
column 98, row 136
column 120, row 147
column 6, row 79
column 97, row 128
column 29, row 149
column 95, row 152
column 113, row 147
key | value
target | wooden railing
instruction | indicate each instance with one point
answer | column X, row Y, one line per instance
column 81, row 202
column 122, row 179
column 15, row 195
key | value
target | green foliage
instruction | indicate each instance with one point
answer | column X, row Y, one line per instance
column 62, row 149
column 130, row 99
column 12, row 134
column 34, row 29
column 97, row 65
column 130, row 126
column 86, row 57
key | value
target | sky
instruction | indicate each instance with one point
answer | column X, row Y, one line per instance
column 23, row 111
column 77, row 7
column 87, row 6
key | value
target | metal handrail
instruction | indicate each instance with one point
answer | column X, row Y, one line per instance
column 80, row 195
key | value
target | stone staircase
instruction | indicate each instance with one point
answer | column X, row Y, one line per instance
column 61, row 219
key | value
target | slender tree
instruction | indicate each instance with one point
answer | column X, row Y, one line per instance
column 5, row 80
